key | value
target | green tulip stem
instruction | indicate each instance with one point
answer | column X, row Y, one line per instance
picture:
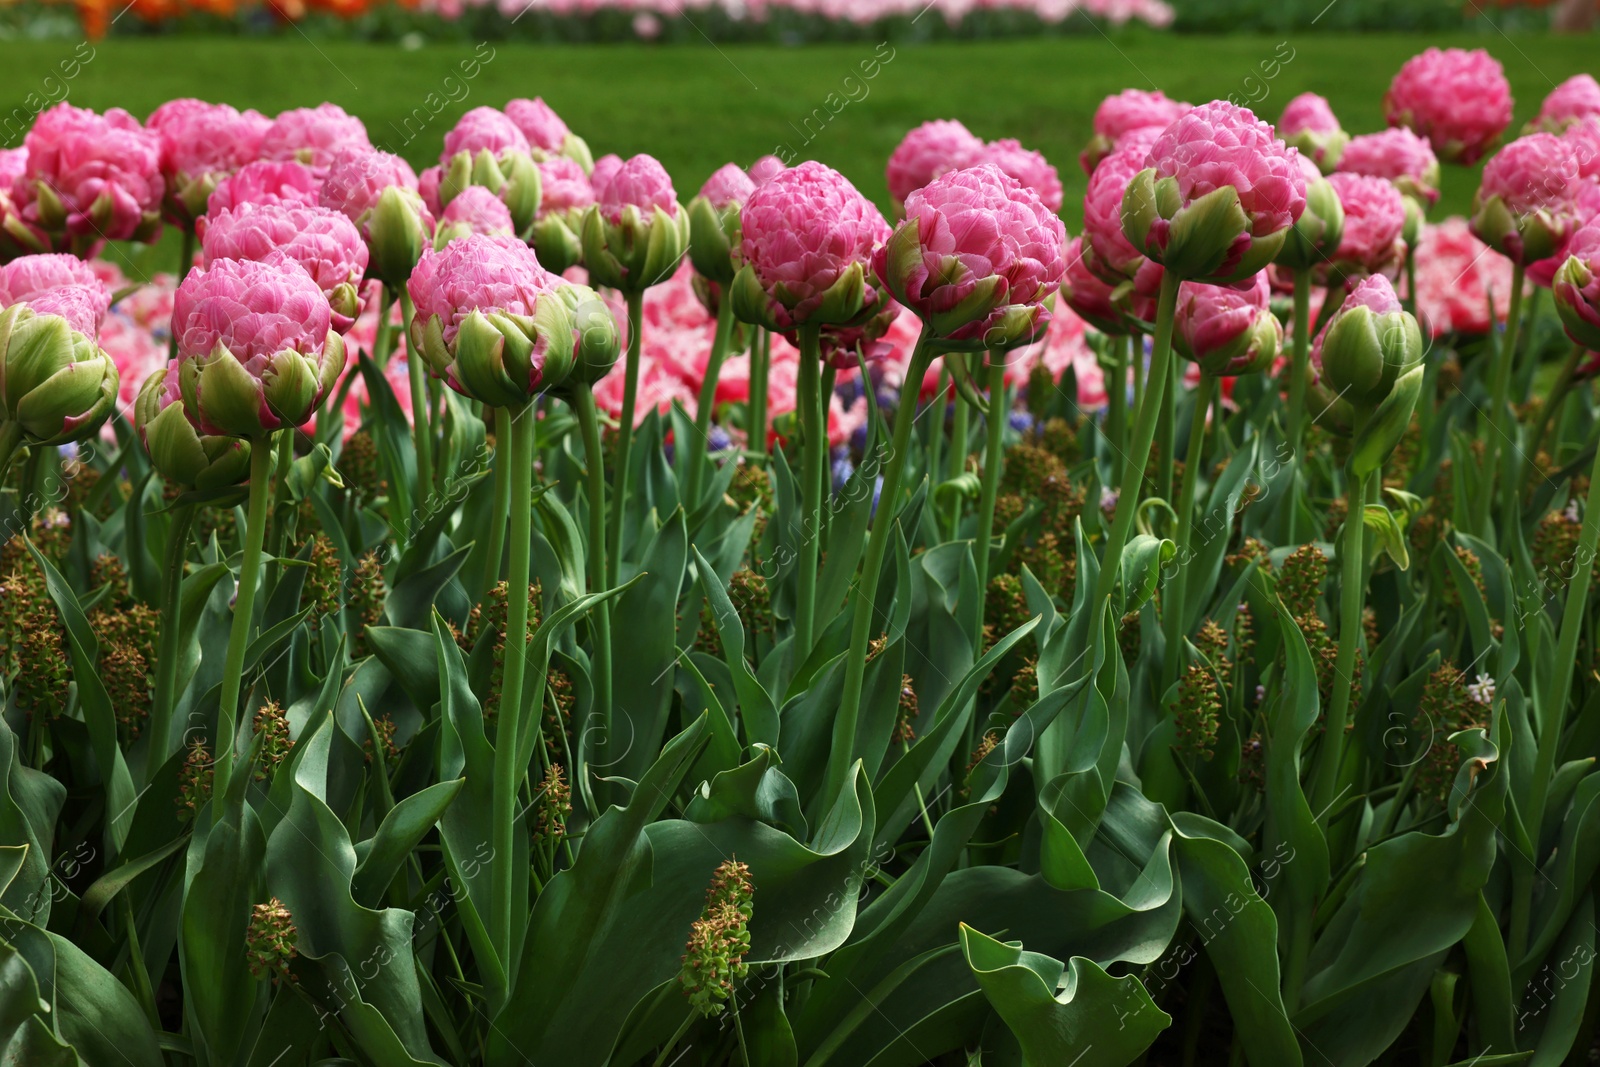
column 1117, row 399
column 383, row 339
column 1299, row 378
column 421, row 413
column 10, row 438
column 1352, row 598
column 935, row 449
column 1553, row 400
column 993, row 461
column 502, row 499
column 760, row 359
column 166, row 694
column 830, row 376
column 1552, row 708
column 706, row 401
column 283, row 458
column 508, row 716
column 956, row 461
column 1151, row 404
column 1174, row 607
column 865, row 594
column 1166, row 431
column 255, row 532
column 1502, row 426
column 1137, row 367
column 594, row 463
column 630, row 397
column 813, row 434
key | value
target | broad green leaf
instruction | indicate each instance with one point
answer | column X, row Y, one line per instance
column 1391, row 535
column 407, row 823
column 1096, row 1021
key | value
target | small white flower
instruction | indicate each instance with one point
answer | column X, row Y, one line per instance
column 1482, row 690
column 1572, row 511
column 1108, row 499
column 1261, row 693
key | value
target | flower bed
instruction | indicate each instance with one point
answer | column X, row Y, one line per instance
column 516, row 612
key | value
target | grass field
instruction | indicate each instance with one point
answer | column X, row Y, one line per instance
column 698, row 107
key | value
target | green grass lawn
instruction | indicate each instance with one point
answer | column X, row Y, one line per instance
column 698, row 107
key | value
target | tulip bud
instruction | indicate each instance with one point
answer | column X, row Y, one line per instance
column 56, row 384
column 976, row 284
column 713, row 235
column 181, row 454
column 556, row 242
column 1416, row 215
column 1525, row 207
column 636, row 251
column 1577, row 288
column 1314, row 237
column 1226, row 330
column 1216, row 203
column 1370, row 341
column 576, row 149
column 597, row 342
column 512, row 176
column 397, row 232
column 501, row 358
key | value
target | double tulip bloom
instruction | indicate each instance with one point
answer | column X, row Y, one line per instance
column 929, row 150
column 977, row 259
column 378, row 193
column 1217, row 196
column 547, row 134
column 201, row 145
column 256, row 348
column 489, row 321
column 1372, row 236
column 635, row 232
column 1309, row 124
column 1526, row 206
column 56, row 383
column 1459, row 100
column 1227, row 330
column 325, row 244
column 1129, row 112
column 89, row 178
column 1572, row 101
column 485, row 148
column 805, row 252
column 314, row 137
column 475, row 210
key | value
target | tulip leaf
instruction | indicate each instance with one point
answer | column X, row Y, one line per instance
column 1391, row 535
column 98, row 714
column 756, row 708
column 1375, row 440
column 1096, row 1021
column 546, row 1018
column 407, row 823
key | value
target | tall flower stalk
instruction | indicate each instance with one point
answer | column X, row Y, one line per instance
column 633, row 237
column 1228, row 332
column 246, row 377
column 924, row 265
column 1526, row 209
column 806, row 238
column 1369, row 356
